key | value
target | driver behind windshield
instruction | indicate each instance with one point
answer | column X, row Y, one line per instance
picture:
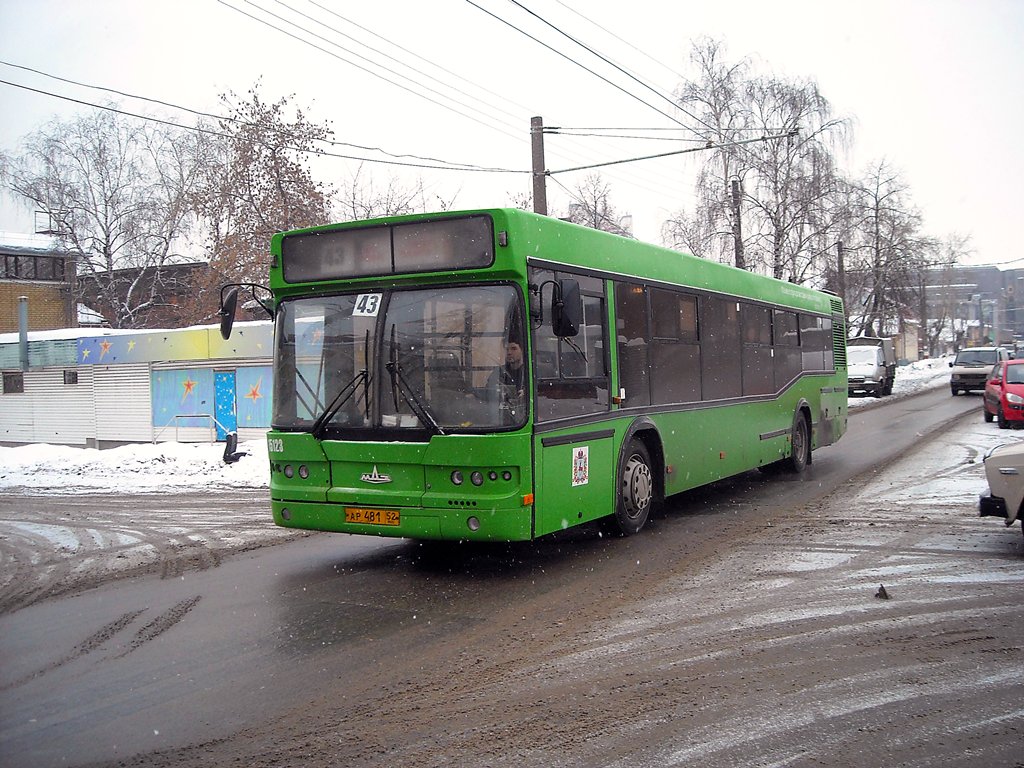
column 511, row 373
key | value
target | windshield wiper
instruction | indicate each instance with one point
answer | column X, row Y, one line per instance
column 363, row 377
column 400, row 385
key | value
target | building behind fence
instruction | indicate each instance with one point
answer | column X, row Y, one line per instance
column 102, row 388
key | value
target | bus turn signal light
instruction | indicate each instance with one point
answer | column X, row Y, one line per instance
column 527, row 499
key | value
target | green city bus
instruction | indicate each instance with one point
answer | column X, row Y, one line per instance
column 499, row 375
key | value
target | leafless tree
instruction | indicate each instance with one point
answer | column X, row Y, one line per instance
column 939, row 296
column 888, row 255
column 592, row 207
column 713, row 101
column 784, row 183
column 116, row 189
column 259, row 182
column 361, row 197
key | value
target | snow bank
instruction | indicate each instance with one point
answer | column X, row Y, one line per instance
column 161, row 467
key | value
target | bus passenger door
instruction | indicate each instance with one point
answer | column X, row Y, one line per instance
column 224, row 403
column 576, row 480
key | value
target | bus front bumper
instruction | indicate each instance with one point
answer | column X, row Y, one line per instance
column 471, row 524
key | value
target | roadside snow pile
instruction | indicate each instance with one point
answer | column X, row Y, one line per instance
column 910, row 379
column 922, row 374
column 163, row 467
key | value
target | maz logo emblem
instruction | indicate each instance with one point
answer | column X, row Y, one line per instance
column 375, row 477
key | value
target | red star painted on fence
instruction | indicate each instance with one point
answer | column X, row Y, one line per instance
column 254, row 391
column 189, row 386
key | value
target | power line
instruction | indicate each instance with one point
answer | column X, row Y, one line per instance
column 611, row 63
column 709, row 145
column 413, row 91
column 499, row 96
column 620, row 39
column 579, row 133
column 200, row 129
column 328, row 27
column 220, row 118
column 578, row 64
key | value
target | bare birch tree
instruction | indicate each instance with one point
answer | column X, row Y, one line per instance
column 784, row 184
column 889, row 255
column 713, row 101
column 940, row 299
column 592, row 206
column 116, row 190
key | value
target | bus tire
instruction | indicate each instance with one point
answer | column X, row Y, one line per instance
column 635, row 494
column 800, row 456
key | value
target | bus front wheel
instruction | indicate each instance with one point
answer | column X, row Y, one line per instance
column 800, row 456
column 636, row 490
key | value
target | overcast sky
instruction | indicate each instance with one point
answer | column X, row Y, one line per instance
column 936, row 87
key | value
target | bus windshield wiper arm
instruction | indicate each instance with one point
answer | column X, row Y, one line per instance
column 400, row 385
column 339, row 400
column 346, row 392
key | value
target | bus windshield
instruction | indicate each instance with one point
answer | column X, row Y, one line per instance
column 434, row 360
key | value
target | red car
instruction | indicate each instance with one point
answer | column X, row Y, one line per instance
column 1004, row 393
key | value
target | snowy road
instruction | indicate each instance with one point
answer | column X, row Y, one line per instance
column 742, row 628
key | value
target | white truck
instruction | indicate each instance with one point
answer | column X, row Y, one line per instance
column 871, row 365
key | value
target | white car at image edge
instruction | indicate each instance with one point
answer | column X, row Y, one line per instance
column 1004, row 470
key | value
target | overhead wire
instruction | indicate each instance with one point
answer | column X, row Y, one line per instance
column 611, row 63
column 502, row 97
column 370, row 48
column 709, row 145
column 199, row 129
column 616, row 66
column 359, row 66
column 333, row 29
column 568, row 58
column 220, row 118
column 622, row 40
column 594, row 73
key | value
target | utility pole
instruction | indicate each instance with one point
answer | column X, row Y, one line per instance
column 737, row 226
column 540, row 193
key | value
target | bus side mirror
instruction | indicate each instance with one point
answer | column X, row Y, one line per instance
column 228, row 302
column 566, row 308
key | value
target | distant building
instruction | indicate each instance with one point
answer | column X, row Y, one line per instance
column 178, row 295
column 36, row 267
column 985, row 304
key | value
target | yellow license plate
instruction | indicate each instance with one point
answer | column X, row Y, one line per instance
column 372, row 516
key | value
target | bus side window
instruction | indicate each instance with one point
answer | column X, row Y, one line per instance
column 634, row 342
column 721, row 348
column 675, row 348
column 758, row 362
column 570, row 374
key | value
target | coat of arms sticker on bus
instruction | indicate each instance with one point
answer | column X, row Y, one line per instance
column 581, row 465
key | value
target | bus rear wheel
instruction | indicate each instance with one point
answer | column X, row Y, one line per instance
column 800, row 456
column 636, row 490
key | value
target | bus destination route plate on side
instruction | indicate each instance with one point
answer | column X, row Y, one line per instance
column 372, row 516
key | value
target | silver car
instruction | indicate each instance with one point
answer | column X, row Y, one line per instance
column 1004, row 469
